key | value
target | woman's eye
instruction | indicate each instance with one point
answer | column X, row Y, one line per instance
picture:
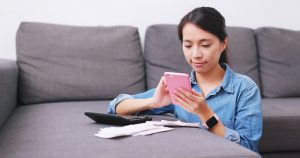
column 187, row 46
column 206, row 45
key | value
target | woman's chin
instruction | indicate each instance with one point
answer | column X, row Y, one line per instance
column 199, row 70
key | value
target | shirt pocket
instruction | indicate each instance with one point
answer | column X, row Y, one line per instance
column 228, row 123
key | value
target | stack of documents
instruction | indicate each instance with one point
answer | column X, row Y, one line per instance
column 149, row 127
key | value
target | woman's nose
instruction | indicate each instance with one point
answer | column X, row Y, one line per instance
column 197, row 53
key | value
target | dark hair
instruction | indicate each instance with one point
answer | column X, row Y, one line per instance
column 208, row 19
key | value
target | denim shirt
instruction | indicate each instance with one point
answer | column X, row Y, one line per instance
column 237, row 103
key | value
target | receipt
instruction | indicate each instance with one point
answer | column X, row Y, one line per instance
column 172, row 123
column 142, row 129
column 111, row 132
column 152, row 131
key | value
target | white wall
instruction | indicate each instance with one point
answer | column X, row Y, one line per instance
column 139, row 13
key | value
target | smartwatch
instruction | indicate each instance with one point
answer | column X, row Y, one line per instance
column 212, row 121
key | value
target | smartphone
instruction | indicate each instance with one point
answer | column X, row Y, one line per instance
column 176, row 80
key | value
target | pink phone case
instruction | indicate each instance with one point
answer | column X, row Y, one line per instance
column 177, row 80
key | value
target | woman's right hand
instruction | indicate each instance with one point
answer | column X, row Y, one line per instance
column 161, row 95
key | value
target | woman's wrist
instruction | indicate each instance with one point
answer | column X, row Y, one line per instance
column 151, row 103
column 205, row 113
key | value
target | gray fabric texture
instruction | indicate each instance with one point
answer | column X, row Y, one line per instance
column 279, row 59
column 62, row 130
column 242, row 52
column 281, row 125
column 62, row 63
column 295, row 154
column 8, row 88
column 163, row 52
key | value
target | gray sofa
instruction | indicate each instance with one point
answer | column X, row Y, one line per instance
column 63, row 71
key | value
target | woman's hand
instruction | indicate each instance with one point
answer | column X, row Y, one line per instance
column 192, row 102
column 161, row 95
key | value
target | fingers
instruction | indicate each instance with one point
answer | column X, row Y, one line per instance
column 184, row 100
column 187, row 96
column 192, row 97
column 182, row 103
column 189, row 100
column 197, row 94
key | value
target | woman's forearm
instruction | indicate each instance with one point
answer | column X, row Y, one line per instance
column 131, row 106
column 205, row 114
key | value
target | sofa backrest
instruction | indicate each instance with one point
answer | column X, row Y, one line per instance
column 163, row 52
column 279, row 60
column 62, row 63
column 242, row 52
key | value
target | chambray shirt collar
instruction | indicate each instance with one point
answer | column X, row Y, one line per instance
column 227, row 83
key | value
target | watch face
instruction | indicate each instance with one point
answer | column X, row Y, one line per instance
column 211, row 122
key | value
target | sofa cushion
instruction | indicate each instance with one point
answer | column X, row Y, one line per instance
column 163, row 52
column 62, row 130
column 281, row 125
column 279, row 59
column 61, row 63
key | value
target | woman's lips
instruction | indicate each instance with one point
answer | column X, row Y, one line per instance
column 199, row 64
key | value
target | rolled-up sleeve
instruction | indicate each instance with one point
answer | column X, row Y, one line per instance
column 112, row 105
column 248, row 123
column 148, row 94
column 232, row 135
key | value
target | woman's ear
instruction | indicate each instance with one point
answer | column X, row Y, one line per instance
column 224, row 44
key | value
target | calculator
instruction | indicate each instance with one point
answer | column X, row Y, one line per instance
column 114, row 119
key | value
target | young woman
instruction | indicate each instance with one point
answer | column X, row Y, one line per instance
column 225, row 103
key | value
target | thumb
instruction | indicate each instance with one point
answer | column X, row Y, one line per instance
column 164, row 80
column 161, row 84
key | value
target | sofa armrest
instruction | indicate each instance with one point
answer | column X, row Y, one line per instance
column 8, row 88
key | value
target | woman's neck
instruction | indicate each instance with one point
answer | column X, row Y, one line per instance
column 212, row 78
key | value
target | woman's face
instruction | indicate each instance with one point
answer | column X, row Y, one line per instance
column 202, row 49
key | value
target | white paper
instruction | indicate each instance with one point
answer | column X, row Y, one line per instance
column 172, row 123
column 152, row 131
column 149, row 127
column 111, row 132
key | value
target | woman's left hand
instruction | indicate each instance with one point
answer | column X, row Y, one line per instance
column 191, row 101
